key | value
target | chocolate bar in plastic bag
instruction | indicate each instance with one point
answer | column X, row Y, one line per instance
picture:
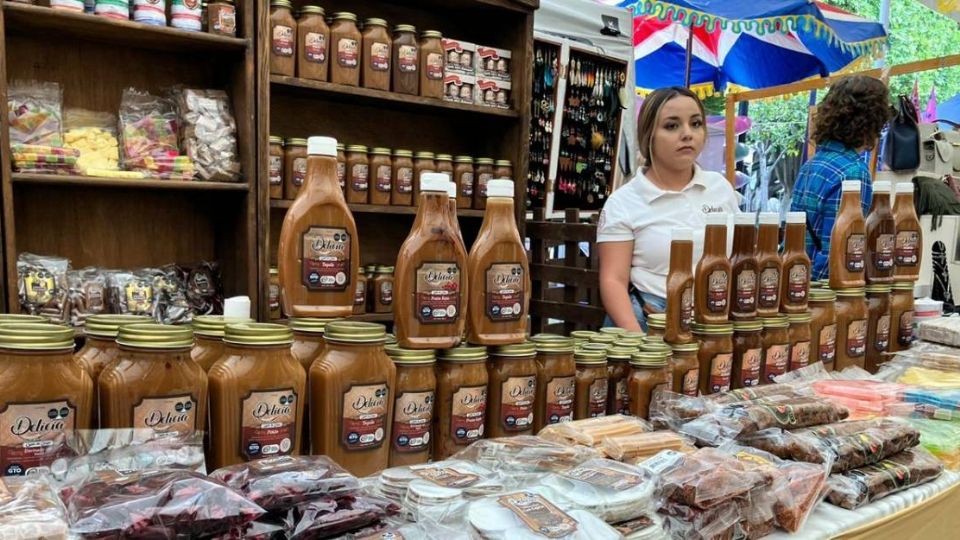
column 857, row 487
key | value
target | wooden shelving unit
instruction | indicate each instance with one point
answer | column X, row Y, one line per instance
column 127, row 223
column 292, row 107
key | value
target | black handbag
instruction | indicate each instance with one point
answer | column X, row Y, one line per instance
column 901, row 147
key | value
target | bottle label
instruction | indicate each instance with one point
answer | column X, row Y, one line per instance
column 466, row 184
column 386, row 293
column 435, row 66
column 412, row 415
column 775, row 361
column 623, row 397
column 342, row 174
column 404, row 180
column 597, row 393
column 905, row 331
column 379, row 56
column 282, row 40
column 437, row 293
column 364, row 417
column 326, row 258
column 855, row 249
column 691, row 383
column 516, row 403
column 226, row 22
column 686, row 309
column 276, row 170
column 539, row 514
column 468, row 412
column 798, row 283
column 274, row 296
column 560, row 394
column 407, row 58
column 360, row 177
column 360, row 294
column 384, row 178
column 166, row 416
column 883, row 256
column 718, row 291
column 34, row 435
column 908, row 243
column 750, row 368
column 299, row 171
column 482, row 183
column 799, row 355
column 316, row 47
column 268, row 423
column 828, row 344
column 720, row 368
column 347, row 53
column 882, row 341
column 770, row 288
column 747, row 290
column 857, row 338
column 504, row 294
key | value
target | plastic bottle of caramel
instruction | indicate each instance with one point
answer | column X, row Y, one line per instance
column 512, row 393
column 712, row 281
column 680, row 306
column 352, row 387
column 319, row 252
column 413, row 406
column 208, row 333
column 307, row 346
column 881, row 231
column 768, row 264
column 590, row 400
column 461, row 410
column 499, row 273
column 452, row 200
column 909, row 242
column 795, row 278
column 848, row 240
column 744, row 269
column 556, row 380
column 431, row 284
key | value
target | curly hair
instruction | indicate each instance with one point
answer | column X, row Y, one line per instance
column 853, row 113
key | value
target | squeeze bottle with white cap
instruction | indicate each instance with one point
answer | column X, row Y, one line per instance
column 712, row 275
column 768, row 265
column 795, row 277
column 909, row 243
column 745, row 272
column 848, row 244
column 880, row 230
column 680, row 302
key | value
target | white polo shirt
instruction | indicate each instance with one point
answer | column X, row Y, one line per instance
column 642, row 212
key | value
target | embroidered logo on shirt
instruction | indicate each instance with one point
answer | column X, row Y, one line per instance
column 707, row 209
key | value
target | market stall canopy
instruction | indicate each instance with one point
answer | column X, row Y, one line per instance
column 949, row 110
column 950, row 8
column 746, row 43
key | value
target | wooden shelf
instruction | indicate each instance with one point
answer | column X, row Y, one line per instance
column 131, row 183
column 394, row 100
column 26, row 18
column 381, row 209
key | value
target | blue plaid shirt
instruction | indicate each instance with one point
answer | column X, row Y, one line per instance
column 817, row 192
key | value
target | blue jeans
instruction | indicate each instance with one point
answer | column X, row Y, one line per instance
column 657, row 304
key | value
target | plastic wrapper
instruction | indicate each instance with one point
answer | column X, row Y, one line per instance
column 87, row 294
column 30, row 509
column 42, row 286
column 942, row 330
column 613, row 491
column 629, row 448
column 757, row 516
column 204, row 287
column 704, row 479
column 688, row 523
column 758, row 392
column 208, row 134
column 524, row 455
column 148, row 133
column 172, row 306
column 94, row 135
column 530, row 514
column 331, row 516
column 942, row 439
column 645, row 527
column 35, row 113
column 133, row 292
column 592, row 431
column 44, row 159
column 155, row 504
column 419, row 531
column 281, row 482
column 857, row 487
column 863, row 398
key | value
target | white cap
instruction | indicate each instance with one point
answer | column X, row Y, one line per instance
column 716, row 218
column 881, row 186
column 769, row 218
column 239, row 306
column 431, row 181
column 322, row 146
column 452, row 190
column 904, row 187
column 744, row 218
column 681, row 234
column 797, row 217
column 501, row 187
column 851, row 185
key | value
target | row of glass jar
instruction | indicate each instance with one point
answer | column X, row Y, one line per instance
column 379, row 176
column 374, row 292
column 319, row 48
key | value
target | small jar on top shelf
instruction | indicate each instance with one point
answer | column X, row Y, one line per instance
column 406, row 60
column 346, row 40
column 376, row 55
column 283, row 38
column 313, row 39
column 431, row 64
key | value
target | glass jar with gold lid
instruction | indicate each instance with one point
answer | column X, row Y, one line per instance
column 21, row 318
column 606, row 339
column 878, row 325
column 650, row 375
column 776, row 348
column 851, row 309
column 512, row 390
column 686, row 369
column 461, row 399
column 747, row 353
column 715, row 356
column 901, row 316
column 590, row 399
column 618, row 371
column 656, row 324
column 799, row 336
column 413, row 407
column 613, row 330
column 556, row 380
column 208, row 333
column 101, row 347
column 307, row 347
column 823, row 325
column 581, row 336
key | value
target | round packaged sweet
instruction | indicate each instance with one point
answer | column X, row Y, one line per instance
column 523, row 456
column 534, row 514
column 611, row 490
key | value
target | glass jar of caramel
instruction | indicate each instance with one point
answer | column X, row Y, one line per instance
column 423, row 162
column 851, row 327
column 444, row 164
column 747, row 353
column 823, row 326
column 358, row 174
column 656, row 324
column 715, row 356
column 512, row 390
column 208, row 333
column 686, row 369
column 313, row 36
column 275, row 173
column 283, row 38
column 901, row 316
column 413, row 407
column 776, row 348
column 431, row 64
column 590, row 399
column 618, row 371
column 307, row 346
column 381, row 176
column 294, row 166
column 581, row 336
column 878, row 324
column 342, row 167
column 346, row 40
column 556, row 380
column 360, row 294
column 383, row 289
column 650, row 374
column 376, row 55
column 406, row 60
column 483, row 174
column 504, row 169
column 463, row 177
column 402, row 194
column 461, row 410
column 101, row 347
column 799, row 334
column 273, row 295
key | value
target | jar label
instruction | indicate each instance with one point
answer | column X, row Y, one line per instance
column 798, row 283
column 276, row 170
column 467, row 414
column 412, row 415
column 720, row 369
column 856, row 338
column 435, row 66
column 775, row 361
column 686, row 309
column 449, row 477
column 315, row 47
column 274, row 298
column 770, row 288
column 379, row 56
column 718, row 291
column 384, row 178
column 560, row 394
column 597, row 393
column 268, row 423
column 326, row 258
column 623, row 397
column 504, row 295
column 166, row 416
column 882, row 341
column 828, row 343
column 407, row 58
column 516, row 403
column 360, row 294
column 347, row 53
column 386, row 293
column 747, row 290
column 691, row 383
column 908, row 252
column 342, row 174
column 437, row 293
column 482, row 180
column 604, row 477
column 466, row 184
column 226, row 23
column 883, row 255
column 299, row 171
column 905, row 331
column 799, row 355
column 539, row 514
column 360, row 177
column 282, row 40
column 855, row 249
column 404, row 180
column 139, row 295
column 750, row 368
column 34, row 435
column 364, row 419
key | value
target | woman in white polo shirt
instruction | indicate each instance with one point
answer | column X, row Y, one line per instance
column 671, row 190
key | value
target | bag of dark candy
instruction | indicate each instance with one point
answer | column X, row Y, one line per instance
column 204, row 287
column 282, row 482
column 328, row 517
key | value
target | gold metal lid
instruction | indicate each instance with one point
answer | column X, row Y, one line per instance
column 295, row 141
column 629, row 341
column 854, row 292
column 650, row 359
column 747, row 326
column 720, row 329
column 504, row 163
column 312, row 9
column 254, row 333
column 214, row 325
column 405, row 28
column 799, row 318
column 651, row 339
column 548, row 343
column 621, row 353
column 657, row 320
column 155, row 336
column 879, row 288
column 380, row 151
column 7, row 318
column 527, row 348
column 656, row 347
column 686, row 347
column 822, row 295
column 109, row 325
column 613, row 330
column 370, row 268
column 309, row 325
column 444, row 157
column 373, row 21
column 463, row 353
column 276, row 140
column 403, row 153
column 603, row 338
column 340, row 147
column 357, row 148
column 281, row 3
column 590, row 357
column 425, row 155
column 431, row 34
column 582, row 334
column 274, row 271
column 484, row 161
column 411, row 356
column 35, row 336
column 355, row 332
column 344, row 16
column 594, row 347
column 902, row 286
column 384, row 270
column 632, row 335
column 780, row 321
column 391, row 339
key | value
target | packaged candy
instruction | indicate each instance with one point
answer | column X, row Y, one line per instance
column 172, row 306
column 529, row 514
column 42, row 286
column 706, row 478
column 281, row 482
column 35, row 113
column 150, row 12
column 208, row 134
column 524, row 455
column 148, row 133
column 942, row 439
column 113, row 9
column 204, row 287
column 613, row 491
column 94, row 135
column 30, row 509
column 592, row 431
column 857, row 487
column 41, row 159
column 329, row 516
column 133, row 292
column 629, row 448
column 87, row 294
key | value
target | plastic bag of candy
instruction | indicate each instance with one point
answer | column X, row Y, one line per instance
column 331, row 516
column 43, row 287
column 30, row 509
column 87, row 294
column 35, row 113
column 148, row 131
column 94, row 135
